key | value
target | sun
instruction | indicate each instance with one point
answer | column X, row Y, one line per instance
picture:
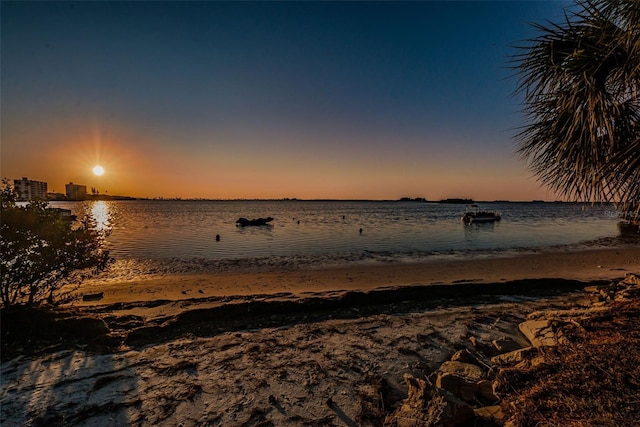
column 98, row 170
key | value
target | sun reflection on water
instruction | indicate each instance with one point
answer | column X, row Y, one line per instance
column 101, row 215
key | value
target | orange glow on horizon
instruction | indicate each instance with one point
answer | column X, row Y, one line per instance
column 141, row 167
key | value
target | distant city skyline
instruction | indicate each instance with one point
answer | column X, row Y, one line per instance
column 310, row 100
column 28, row 189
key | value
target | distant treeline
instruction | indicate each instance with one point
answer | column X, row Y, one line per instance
column 409, row 199
column 422, row 199
column 457, row 201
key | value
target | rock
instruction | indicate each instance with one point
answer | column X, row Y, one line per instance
column 429, row 406
column 479, row 346
column 460, row 378
column 537, row 315
column 490, row 413
column 605, row 294
column 541, row 333
column 595, row 289
column 513, row 357
column 458, row 386
column 505, row 345
column 628, row 294
column 486, row 391
column 463, row 370
column 588, row 300
column 532, row 363
column 627, row 288
column 632, row 279
column 464, row 356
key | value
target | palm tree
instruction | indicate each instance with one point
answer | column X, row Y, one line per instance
column 580, row 80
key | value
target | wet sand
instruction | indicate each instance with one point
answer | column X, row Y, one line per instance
column 584, row 265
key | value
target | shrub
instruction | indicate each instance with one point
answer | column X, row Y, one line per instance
column 40, row 251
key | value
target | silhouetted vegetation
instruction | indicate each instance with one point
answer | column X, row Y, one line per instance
column 581, row 85
column 40, row 251
column 457, row 201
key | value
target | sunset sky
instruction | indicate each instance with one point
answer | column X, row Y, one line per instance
column 341, row 100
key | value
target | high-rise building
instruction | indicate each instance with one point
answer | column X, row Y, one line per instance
column 75, row 191
column 28, row 189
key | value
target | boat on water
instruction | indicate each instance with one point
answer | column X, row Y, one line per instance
column 473, row 215
column 243, row 222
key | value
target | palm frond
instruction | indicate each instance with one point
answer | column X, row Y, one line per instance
column 580, row 81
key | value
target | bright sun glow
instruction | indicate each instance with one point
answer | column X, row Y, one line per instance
column 98, row 170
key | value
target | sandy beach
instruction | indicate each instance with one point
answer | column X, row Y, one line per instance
column 583, row 265
column 319, row 346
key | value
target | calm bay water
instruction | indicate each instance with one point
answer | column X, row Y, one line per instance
column 320, row 232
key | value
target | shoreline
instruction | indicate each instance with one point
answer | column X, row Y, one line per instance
column 582, row 265
column 323, row 346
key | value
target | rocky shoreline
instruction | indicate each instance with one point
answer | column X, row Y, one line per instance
column 469, row 386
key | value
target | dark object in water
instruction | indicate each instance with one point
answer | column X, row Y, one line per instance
column 93, row 297
column 473, row 214
column 243, row 222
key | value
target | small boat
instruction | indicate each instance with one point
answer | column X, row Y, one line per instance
column 243, row 222
column 473, row 214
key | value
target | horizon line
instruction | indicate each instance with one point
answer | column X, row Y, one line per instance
column 459, row 201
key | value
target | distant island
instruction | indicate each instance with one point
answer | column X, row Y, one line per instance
column 409, row 199
column 457, row 201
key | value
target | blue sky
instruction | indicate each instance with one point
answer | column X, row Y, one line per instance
column 279, row 99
